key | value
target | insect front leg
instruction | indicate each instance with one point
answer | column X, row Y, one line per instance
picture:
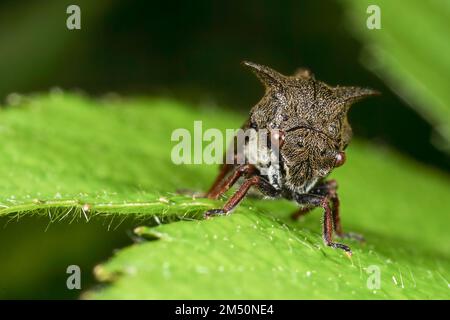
column 324, row 189
column 315, row 200
column 337, row 222
column 243, row 170
column 329, row 189
column 217, row 188
column 223, row 173
column 257, row 181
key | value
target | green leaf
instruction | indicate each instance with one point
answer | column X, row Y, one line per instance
column 68, row 157
column 410, row 53
column 62, row 152
column 257, row 252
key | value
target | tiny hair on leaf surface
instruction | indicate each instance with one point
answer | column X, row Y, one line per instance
column 81, row 158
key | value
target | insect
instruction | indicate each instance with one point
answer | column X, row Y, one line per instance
column 312, row 132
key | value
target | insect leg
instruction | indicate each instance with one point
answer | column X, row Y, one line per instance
column 328, row 228
column 235, row 198
column 327, row 231
column 245, row 169
column 330, row 188
column 321, row 190
column 337, row 223
column 262, row 184
column 336, row 214
column 214, row 192
column 224, row 171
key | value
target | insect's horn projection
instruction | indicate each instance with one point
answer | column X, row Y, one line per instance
column 350, row 95
column 303, row 73
column 266, row 75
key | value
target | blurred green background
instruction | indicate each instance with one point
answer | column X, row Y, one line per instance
column 190, row 51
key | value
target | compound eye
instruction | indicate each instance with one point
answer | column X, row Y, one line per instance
column 340, row 159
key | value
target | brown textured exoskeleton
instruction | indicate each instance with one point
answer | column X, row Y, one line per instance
column 310, row 118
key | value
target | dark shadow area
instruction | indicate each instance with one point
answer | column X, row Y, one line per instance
column 35, row 256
